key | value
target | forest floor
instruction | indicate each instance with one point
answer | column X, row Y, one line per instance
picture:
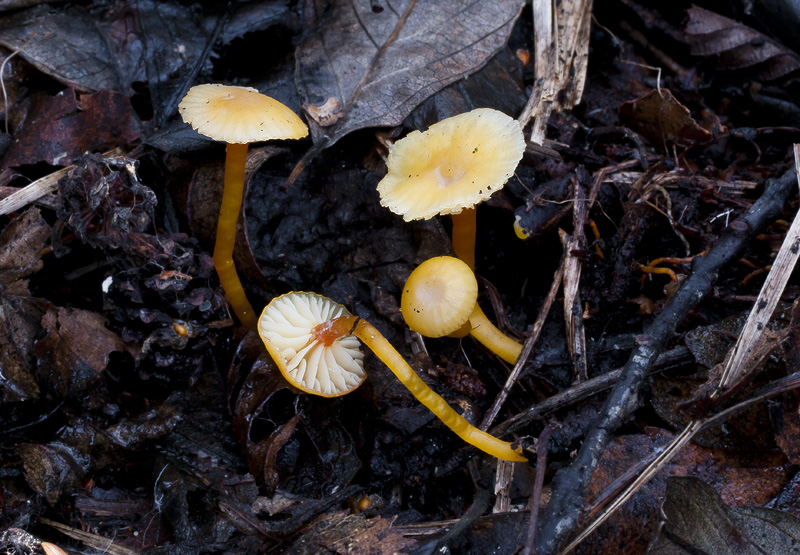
column 625, row 254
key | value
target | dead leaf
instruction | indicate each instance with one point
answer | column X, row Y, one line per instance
column 380, row 60
column 59, row 129
column 696, row 520
column 75, row 350
column 63, row 42
column 281, row 430
column 21, row 245
column 732, row 45
column 53, row 469
column 662, row 119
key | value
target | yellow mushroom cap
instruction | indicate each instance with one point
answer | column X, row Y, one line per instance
column 439, row 296
column 286, row 327
column 455, row 164
column 239, row 115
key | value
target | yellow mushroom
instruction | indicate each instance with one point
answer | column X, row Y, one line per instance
column 238, row 116
column 440, row 298
column 313, row 341
column 448, row 169
column 306, row 359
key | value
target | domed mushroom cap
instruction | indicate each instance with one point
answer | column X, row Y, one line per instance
column 239, row 115
column 287, row 328
column 439, row 296
column 455, row 164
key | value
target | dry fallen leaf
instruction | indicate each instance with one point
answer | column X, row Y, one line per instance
column 732, row 45
column 75, row 350
column 21, row 245
column 59, row 129
column 695, row 520
column 379, row 60
column 662, row 119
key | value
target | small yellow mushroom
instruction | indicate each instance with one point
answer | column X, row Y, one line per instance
column 238, row 116
column 450, row 168
column 313, row 341
column 440, row 298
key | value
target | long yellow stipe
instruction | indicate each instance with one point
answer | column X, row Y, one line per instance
column 492, row 338
column 226, row 235
column 464, row 224
column 373, row 339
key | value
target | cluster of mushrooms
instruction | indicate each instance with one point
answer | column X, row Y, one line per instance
column 446, row 170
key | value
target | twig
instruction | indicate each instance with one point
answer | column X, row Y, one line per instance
column 573, row 314
column 569, row 485
column 3, row 80
column 536, row 499
column 536, row 330
column 582, row 391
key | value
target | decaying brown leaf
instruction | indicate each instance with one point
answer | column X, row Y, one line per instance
column 275, row 426
column 378, row 60
column 696, row 520
column 732, row 45
column 59, row 129
column 52, row 469
column 662, row 119
column 21, row 245
column 75, row 350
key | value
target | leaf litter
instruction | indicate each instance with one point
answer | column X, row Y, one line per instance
column 132, row 404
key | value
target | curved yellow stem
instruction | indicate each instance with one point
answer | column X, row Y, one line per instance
column 464, row 236
column 495, row 340
column 373, row 339
column 226, row 235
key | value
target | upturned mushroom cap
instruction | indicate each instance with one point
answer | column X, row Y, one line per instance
column 239, row 115
column 439, row 296
column 286, row 326
column 455, row 164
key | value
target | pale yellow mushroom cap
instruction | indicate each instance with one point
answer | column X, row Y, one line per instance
column 455, row 164
column 439, row 296
column 286, row 327
column 239, row 115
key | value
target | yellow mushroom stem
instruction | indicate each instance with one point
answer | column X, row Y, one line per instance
column 492, row 338
column 226, row 235
column 464, row 224
column 372, row 338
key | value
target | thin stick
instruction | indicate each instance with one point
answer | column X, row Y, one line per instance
column 527, row 349
column 536, row 500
